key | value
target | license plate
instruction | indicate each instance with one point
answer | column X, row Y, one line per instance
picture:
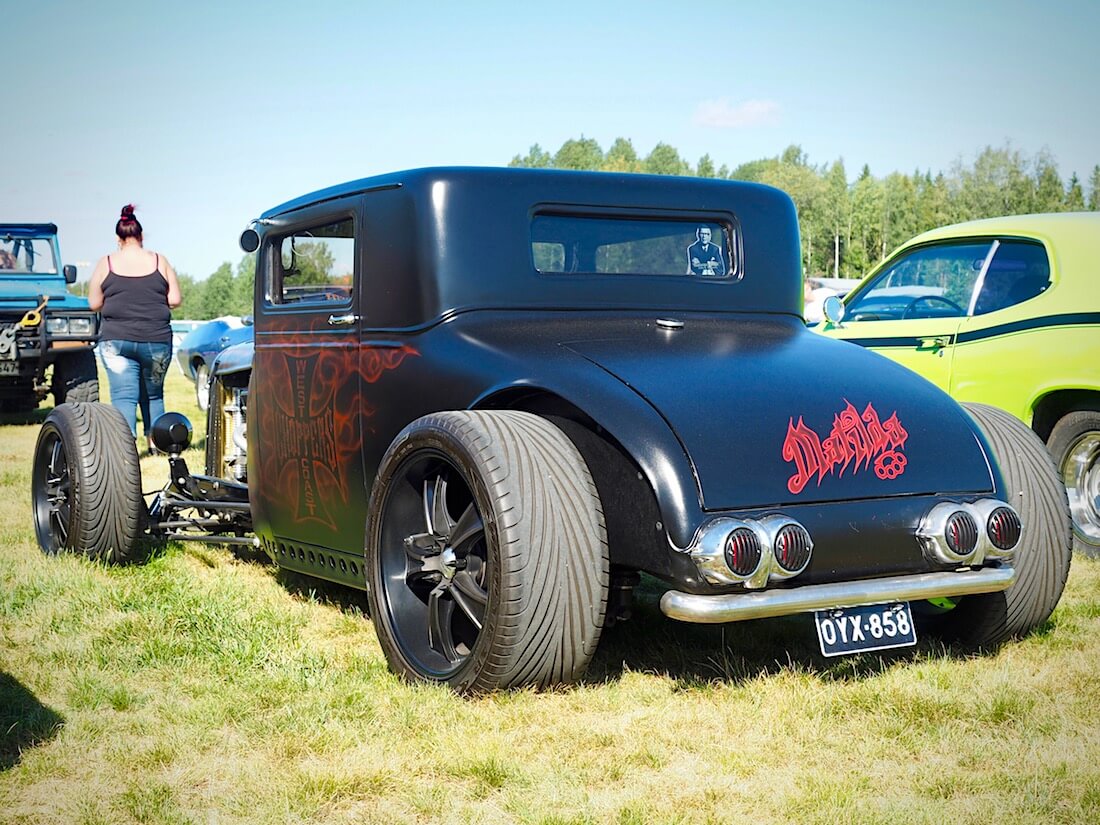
column 846, row 630
column 9, row 368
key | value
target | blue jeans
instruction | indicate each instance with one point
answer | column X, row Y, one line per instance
column 135, row 372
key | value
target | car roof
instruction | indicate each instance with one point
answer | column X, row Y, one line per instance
column 1045, row 224
column 471, row 229
column 27, row 230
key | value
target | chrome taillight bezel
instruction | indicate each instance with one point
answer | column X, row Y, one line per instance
column 709, row 550
column 933, row 533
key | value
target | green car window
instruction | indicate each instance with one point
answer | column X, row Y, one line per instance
column 1019, row 271
column 954, row 279
column 927, row 282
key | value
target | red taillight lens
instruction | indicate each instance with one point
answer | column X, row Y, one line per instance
column 961, row 533
column 742, row 551
column 792, row 548
column 1004, row 528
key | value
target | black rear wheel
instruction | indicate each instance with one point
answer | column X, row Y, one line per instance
column 86, row 484
column 487, row 553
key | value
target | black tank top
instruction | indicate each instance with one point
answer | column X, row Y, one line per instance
column 136, row 308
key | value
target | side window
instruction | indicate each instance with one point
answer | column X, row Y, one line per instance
column 315, row 265
column 1018, row 271
column 928, row 282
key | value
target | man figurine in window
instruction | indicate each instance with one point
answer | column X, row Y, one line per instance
column 704, row 257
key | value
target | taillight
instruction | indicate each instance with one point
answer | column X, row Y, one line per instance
column 961, row 533
column 792, row 548
column 742, row 551
column 1004, row 528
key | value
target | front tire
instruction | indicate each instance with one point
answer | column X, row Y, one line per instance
column 1075, row 445
column 486, row 555
column 1043, row 554
column 75, row 379
column 86, row 484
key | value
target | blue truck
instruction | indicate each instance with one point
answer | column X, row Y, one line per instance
column 47, row 334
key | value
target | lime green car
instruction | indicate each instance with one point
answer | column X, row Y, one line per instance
column 1004, row 311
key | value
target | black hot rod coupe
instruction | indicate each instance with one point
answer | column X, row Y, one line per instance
column 492, row 397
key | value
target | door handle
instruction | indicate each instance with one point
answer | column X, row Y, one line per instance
column 935, row 342
column 342, row 320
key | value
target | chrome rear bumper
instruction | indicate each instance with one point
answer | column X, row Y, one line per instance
column 735, row 607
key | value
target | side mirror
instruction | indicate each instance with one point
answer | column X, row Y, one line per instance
column 833, row 309
column 70, row 273
column 248, row 320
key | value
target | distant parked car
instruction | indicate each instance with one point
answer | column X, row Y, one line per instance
column 180, row 330
column 198, row 349
column 1004, row 311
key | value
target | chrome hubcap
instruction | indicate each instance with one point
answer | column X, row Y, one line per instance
column 1081, row 475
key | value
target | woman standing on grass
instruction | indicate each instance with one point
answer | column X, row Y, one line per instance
column 135, row 290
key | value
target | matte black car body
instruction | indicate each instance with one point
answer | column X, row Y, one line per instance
column 492, row 398
column 680, row 393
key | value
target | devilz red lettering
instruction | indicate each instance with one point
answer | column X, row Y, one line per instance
column 855, row 442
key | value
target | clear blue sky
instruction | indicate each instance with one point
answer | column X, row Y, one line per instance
column 206, row 113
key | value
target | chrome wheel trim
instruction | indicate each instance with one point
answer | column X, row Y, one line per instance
column 1080, row 472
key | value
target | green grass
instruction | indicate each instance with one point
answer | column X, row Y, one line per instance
column 200, row 689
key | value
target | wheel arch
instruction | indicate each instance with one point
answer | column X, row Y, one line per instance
column 636, row 528
column 1049, row 408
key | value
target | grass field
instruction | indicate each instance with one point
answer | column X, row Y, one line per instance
column 201, row 689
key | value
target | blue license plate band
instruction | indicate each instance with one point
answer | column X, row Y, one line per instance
column 846, row 630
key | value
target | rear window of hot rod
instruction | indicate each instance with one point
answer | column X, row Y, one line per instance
column 613, row 245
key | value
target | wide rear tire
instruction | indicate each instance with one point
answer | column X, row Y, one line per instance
column 1042, row 557
column 86, row 484
column 486, row 558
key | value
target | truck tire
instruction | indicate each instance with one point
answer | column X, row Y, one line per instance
column 75, row 378
column 486, row 558
column 1042, row 557
column 1074, row 444
column 86, row 484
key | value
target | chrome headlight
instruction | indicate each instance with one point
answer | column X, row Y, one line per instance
column 57, row 325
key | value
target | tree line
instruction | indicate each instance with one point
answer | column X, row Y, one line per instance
column 848, row 227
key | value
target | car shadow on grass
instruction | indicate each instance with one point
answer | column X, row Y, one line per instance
column 24, row 721
column 695, row 656
column 342, row 597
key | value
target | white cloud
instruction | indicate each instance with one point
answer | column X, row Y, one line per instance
column 722, row 114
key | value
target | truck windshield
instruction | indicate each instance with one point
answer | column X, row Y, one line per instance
column 32, row 255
